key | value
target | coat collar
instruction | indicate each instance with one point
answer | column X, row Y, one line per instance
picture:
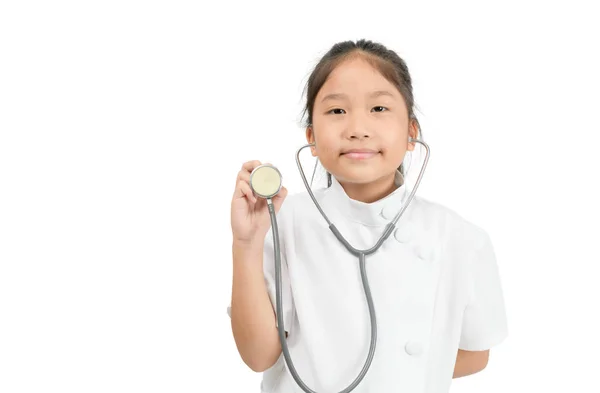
column 377, row 213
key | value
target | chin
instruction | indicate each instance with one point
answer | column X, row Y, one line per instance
column 357, row 175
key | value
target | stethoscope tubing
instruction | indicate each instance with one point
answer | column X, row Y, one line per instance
column 361, row 254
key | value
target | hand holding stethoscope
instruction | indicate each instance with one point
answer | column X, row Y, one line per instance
column 250, row 220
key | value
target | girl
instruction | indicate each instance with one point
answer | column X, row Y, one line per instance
column 434, row 283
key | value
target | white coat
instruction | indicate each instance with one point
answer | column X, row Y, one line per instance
column 434, row 282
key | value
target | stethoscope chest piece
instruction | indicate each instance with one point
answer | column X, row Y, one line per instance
column 265, row 181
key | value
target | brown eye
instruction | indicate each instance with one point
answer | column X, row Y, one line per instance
column 337, row 111
column 379, row 109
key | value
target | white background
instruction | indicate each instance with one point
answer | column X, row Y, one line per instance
column 123, row 125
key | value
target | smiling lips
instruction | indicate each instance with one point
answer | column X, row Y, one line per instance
column 360, row 154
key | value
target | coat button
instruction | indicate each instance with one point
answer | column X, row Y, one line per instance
column 402, row 234
column 424, row 252
column 413, row 348
column 389, row 212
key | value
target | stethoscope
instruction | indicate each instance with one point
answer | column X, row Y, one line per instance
column 266, row 181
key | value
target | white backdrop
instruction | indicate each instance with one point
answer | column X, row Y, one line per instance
column 123, row 125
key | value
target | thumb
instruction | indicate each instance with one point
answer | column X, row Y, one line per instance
column 279, row 198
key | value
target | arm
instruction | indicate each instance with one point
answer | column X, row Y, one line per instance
column 253, row 320
column 470, row 362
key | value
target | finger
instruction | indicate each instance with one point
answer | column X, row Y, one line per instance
column 282, row 193
column 243, row 190
column 243, row 175
column 279, row 198
column 250, row 165
column 248, row 193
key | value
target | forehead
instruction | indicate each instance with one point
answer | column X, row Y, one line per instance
column 356, row 76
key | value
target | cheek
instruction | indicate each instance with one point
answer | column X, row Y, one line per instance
column 325, row 139
column 396, row 144
column 326, row 146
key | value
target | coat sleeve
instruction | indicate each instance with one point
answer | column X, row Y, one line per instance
column 484, row 323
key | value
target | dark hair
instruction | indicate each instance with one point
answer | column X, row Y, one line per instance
column 386, row 61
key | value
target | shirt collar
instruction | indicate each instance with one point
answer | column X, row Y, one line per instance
column 380, row 212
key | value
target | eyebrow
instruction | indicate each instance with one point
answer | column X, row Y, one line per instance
column 341, row 96
column 380, row 93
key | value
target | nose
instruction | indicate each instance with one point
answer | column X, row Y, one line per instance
column 357, row 127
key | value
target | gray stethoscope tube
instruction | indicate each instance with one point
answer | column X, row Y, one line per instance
column 267, row 185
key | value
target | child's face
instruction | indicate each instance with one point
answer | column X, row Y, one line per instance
column 357, row 108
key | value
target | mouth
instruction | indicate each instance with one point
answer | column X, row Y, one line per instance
column 360, row 154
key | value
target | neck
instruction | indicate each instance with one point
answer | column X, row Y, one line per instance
column 372, row 191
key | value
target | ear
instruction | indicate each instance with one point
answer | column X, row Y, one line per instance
column 413, row 132
column 310, row 138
